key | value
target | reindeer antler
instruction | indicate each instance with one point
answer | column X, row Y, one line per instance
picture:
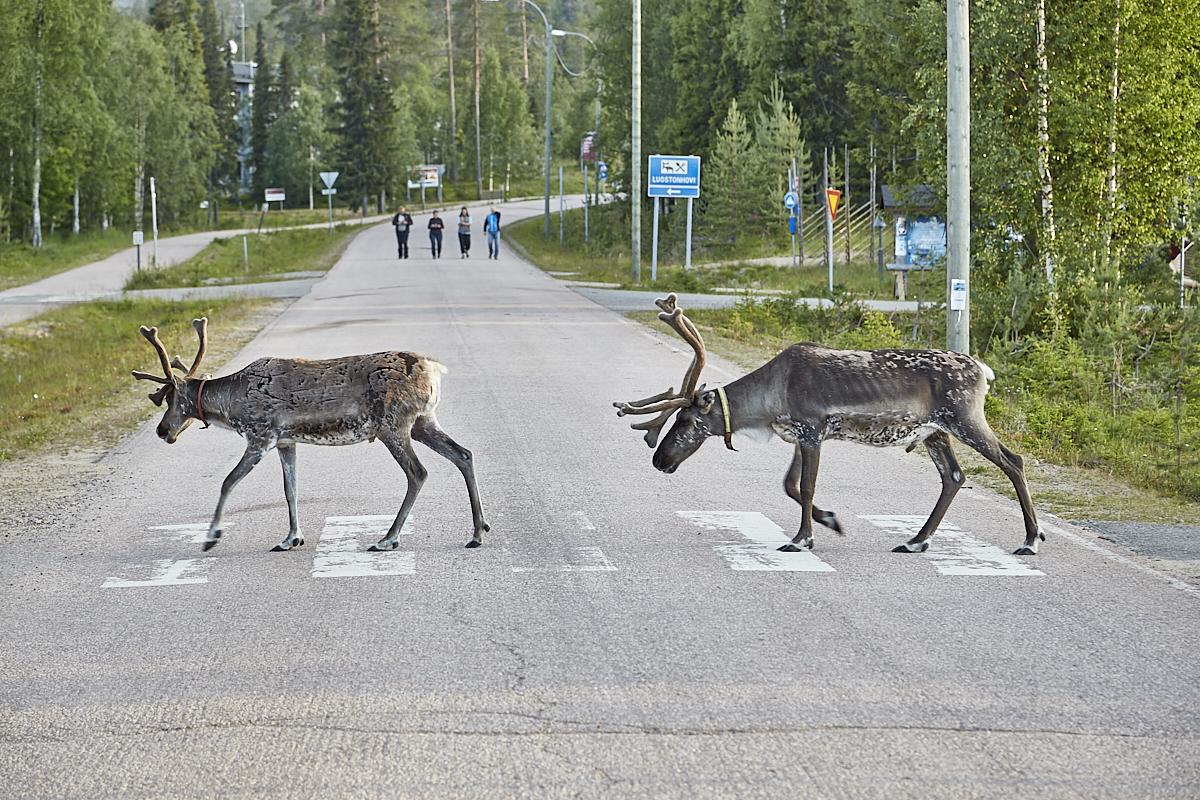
column 201, row 326
column 669, row 402
column 170, row 381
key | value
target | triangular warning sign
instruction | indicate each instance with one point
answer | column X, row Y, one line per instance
column 833, row 195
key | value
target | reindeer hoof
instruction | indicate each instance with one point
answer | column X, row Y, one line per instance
column 288, row 544
column 829, row 520
column 211, row 543
column 797, row 547
column 383, row 546
column 1026, row 550
column 473, row 544
column 909, row 547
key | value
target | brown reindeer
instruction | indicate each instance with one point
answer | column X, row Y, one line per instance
column 282, row 402
column 809, row 393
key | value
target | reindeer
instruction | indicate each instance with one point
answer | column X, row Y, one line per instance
column 810, row 392
column 282, row 402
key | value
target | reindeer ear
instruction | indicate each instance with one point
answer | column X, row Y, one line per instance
column 704, row 400
column 157, row 397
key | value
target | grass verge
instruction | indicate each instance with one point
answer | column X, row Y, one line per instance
column 261, row 258
column 580, row 261
column 1083, row 459
column 22, row 264
column 64, row 376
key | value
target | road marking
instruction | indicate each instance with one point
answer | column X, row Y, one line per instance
column 194, row 532
column 765, row 537
column 953, row 551
column 166, row 572
column 583, row 559
column 341, row 554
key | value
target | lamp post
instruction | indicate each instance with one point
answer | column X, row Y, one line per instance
column 550, row 34
column 595, row 151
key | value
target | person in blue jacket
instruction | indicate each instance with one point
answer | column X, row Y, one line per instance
column 491, row 225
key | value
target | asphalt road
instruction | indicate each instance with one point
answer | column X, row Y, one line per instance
column 622, row 633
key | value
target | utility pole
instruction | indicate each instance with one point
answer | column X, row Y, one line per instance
column 635, row 195
column 478, row 151
column 958, row 177
column 453, row 154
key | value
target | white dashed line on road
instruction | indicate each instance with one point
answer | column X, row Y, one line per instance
column 954, row 551
column 761, row 551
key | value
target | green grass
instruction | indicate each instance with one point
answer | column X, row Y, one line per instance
column 271, row 257
column 598, row 261
column 22, row 264
column 64, row 376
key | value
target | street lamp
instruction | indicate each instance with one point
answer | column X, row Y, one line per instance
column 550, row 34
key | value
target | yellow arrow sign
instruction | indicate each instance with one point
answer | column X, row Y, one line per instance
column 833, row 196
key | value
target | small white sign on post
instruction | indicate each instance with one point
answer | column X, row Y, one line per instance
column 329, row 178
column 275, row 195
column 138, row 239
column 958, row 295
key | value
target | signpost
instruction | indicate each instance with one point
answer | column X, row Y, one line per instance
column 275, row 196
column 790, row 201
column 427, row 176
column 673, row 177
column 328, row 178
column 137, row 242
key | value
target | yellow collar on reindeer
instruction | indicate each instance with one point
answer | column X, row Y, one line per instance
column 725, row 413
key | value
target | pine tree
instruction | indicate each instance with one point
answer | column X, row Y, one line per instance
column 736, row 178
column 265, row 109
column 369, row 132
column 222, row 98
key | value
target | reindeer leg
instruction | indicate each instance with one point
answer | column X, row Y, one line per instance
column 287, row 455
column 400, row 446
column 941, row 452
column 800, row 483
column 990, row 447
column 250, row 458
column 427, row 431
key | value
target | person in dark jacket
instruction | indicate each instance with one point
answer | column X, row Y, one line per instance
column 464, row 232
column 435, row 235
column 403, row 223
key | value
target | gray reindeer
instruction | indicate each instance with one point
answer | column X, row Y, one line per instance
column 281, row 402
column 809, row 393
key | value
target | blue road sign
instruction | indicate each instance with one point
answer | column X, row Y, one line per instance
column 791, row 200
column 603, row 171
column 674, row 176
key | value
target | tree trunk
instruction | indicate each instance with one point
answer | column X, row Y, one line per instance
column 452, row 155
column 1046, row 240
column 524, row 45
column 478, row 151
column 1110, row 195
column 35, row 204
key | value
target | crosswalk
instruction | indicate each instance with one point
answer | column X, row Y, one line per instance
column 748, row 542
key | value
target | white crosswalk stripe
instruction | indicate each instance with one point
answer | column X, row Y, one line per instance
column 342, row 551
column 164, row 572
column 953, row 551
column 761, row 551
column 167, row 571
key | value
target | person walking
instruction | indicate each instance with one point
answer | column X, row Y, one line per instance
column 464, row 233
column 435, row 235
column 403, row 223
column 491, row 226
